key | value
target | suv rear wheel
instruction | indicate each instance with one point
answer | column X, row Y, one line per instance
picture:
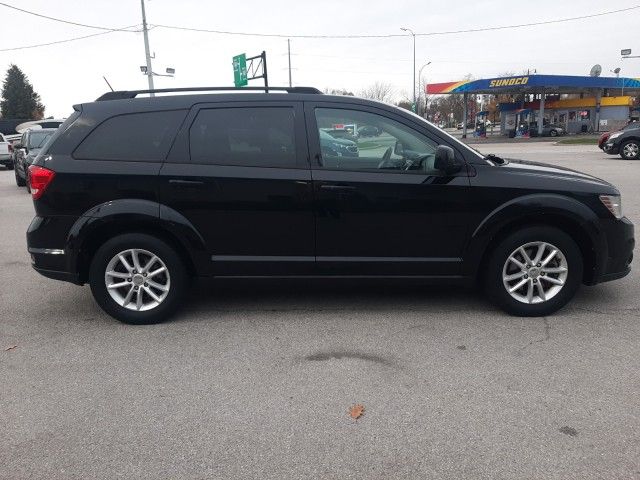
column 534, row 271
column 137, row 278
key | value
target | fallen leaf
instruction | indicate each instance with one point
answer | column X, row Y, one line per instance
column 356, row 411
column 10, row 348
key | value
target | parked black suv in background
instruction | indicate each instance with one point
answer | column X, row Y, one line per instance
column 626, row 143
column 135, row 195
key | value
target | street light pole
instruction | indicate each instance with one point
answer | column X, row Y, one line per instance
column 414, row 64
column 420, row 88
column 145, row 32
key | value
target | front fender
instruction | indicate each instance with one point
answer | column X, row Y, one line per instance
column 129, row 215
column 536, row 209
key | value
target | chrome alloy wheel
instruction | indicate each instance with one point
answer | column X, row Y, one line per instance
column 535, row 272
column 137, row 279
column 630, row 150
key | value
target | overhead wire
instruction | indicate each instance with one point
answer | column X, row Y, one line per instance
column 392, row 35
column 24, row 47
column 68, row 22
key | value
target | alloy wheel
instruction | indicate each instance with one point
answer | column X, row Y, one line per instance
column 137, row 279
column 535, row 272
column 630, row 150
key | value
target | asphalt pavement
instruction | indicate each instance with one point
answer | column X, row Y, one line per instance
column 255, row 380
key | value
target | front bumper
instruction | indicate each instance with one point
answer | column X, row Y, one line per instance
column 611, row 148
column 620, row 245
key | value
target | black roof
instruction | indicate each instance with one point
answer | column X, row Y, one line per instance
column 123, row 94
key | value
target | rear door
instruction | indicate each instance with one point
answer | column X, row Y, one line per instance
column 382, row 208
column 239, row 173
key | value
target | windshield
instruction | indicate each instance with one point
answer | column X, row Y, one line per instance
column 38, row 139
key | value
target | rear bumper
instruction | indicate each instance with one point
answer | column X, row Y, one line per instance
column 51, row 256
column 58, row 275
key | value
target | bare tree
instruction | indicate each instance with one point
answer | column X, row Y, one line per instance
column 337, row 91
column 380, row 91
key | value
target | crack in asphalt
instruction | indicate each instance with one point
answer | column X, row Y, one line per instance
column 545, row 338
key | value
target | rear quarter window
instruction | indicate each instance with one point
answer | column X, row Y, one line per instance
column 137, row 137
column 252, row 137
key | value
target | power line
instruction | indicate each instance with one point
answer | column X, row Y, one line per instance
column 392, row 35
column 69, row 22
column 24, row 47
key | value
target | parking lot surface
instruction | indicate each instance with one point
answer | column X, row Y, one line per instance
column 255, row 380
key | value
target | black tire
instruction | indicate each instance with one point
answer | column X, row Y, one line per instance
column 630, row 146
column 174, row 264
column 553, row 133
column 21, row 182
column 9, row 166
column 493, row 279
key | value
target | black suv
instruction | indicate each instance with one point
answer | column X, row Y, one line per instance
column 137, row 195
column 626, row 143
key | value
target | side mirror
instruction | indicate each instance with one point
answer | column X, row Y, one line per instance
column 445, row 160
column 398, row 149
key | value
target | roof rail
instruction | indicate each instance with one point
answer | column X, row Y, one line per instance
column 123, row 94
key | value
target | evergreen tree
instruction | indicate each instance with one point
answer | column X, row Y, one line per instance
column 19, row 100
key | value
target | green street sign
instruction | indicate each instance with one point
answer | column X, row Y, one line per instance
column 240, row 70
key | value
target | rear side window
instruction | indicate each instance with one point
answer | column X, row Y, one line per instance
column 137, row 137
column 258, row 137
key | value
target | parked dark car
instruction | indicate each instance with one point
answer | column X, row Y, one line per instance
column 368, row 131
column 336, row 146
column 26, row 150
column 136, row 195
column 605, row 136
column 625, row 143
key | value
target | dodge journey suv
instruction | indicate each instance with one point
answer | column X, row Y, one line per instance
column 134, row 195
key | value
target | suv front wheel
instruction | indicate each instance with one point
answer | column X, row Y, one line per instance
column 630, row 150
column 534, row 271
column 137, row 279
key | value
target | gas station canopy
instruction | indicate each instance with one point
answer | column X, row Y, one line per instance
column 539, row 84
column 542, row 85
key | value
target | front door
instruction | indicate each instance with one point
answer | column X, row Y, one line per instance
column 239, row 173
column 382, row 208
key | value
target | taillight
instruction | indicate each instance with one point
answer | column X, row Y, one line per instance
column 39, row 180
column 10, row 148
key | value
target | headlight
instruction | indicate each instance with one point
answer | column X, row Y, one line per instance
column 613, row 204
column 614, row 135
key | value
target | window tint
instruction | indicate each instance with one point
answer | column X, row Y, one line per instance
column 261, row 136
column 144, row 137
column 356, row 140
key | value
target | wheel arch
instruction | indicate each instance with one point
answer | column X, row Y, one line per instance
column 109, row 220
column 564, row 213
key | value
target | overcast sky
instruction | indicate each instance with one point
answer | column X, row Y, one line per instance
column 72, row 72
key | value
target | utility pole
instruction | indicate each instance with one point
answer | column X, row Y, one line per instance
column 415, row 107
column 289, row 55
column 145, row 32
column 420, row 90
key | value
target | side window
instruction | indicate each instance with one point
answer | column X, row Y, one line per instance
column 356, row 140
column 256, row 137
column 137, row 137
